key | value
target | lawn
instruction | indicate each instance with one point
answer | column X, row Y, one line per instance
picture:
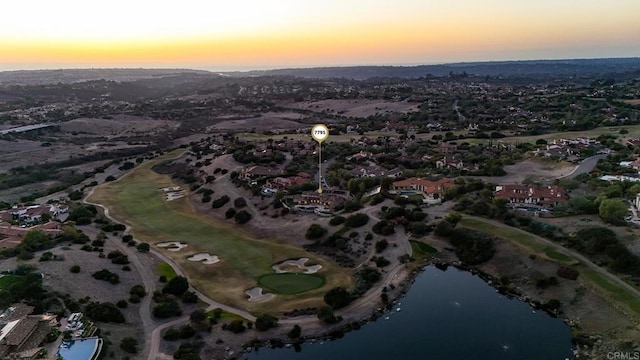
column 621, row 295
column 166, row 270
column 552, row 254
column 505, row 232
column 8, row 280
column 618, row 293
column 422, row 248
column 290, row 283
column 135, row 199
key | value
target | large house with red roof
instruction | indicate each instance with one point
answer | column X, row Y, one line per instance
column 547, row 196
column 432, row 190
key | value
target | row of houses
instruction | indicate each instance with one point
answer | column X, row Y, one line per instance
column 34, row 214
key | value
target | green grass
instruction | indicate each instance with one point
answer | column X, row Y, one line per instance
column 8, row 280
column 421, row 248
column 226, row 316
column 505, row 232
column 291, row 283
column 136, row 199
column 166, row 270
column 552, row 254
column 620, row 294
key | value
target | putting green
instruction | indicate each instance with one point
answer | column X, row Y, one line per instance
column 136, row 200
column 290, row 283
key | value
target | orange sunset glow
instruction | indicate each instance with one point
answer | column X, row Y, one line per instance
column 267, row 34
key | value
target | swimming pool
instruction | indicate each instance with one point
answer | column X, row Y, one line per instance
column 80, row 349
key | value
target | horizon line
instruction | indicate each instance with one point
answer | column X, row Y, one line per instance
column 242, row 69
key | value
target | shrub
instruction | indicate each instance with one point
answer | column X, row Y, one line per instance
column 381, row 245
column 266, row 322
column 356, row 220
column 104, row 312
column 336, row 220
column 315, row 231
column 231, row 212
column 176, row 286
column 129, row 345
column 143, row 247
column 122, row 304
column 235, row 326
column 240, row 202
column 242, row 217
column 75, row 269
column 220, row 202
column 138, row 290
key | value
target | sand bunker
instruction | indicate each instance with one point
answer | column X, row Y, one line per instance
column 206, row 258
column 173, row 192
column 300, row 264
column 172, row 245
column 255, row 294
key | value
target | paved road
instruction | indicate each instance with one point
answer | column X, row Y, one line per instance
column 584, row 167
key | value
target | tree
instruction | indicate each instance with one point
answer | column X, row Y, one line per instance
column 613, row 211
column 315, row 231
column 176, row 286
column 266, row 322
column 143, row 247
column 337, row 297
column 242, row 217
column 104, row 312
column 326, row 315
column 235, row 326
column 75, row 269
column 129, row 345
column 239, row 202
column 138, row 290
column 198, row 316
column 295, row 332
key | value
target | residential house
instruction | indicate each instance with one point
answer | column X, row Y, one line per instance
column 374, row 171
column 432, row 190
column 20, row 336
column 547, row 196
column 283, row 183
column 450, row 163
column 446, row 148
column 258, row 171
column 362, row 155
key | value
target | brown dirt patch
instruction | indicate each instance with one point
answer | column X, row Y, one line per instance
column 357, row 108
column 534, row 169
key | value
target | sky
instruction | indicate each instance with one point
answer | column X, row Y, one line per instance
column 265, row 34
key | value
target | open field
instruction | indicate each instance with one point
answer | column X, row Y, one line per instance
column 532, row 245
column 616, row 292
column 634, row 132
column 527, row 242
column 136, row 200
column 357, row 107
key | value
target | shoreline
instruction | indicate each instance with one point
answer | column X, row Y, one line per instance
column 337, row 331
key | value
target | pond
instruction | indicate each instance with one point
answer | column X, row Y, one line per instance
column 449, row 314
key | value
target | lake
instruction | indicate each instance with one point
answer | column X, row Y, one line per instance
column 449, row 314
